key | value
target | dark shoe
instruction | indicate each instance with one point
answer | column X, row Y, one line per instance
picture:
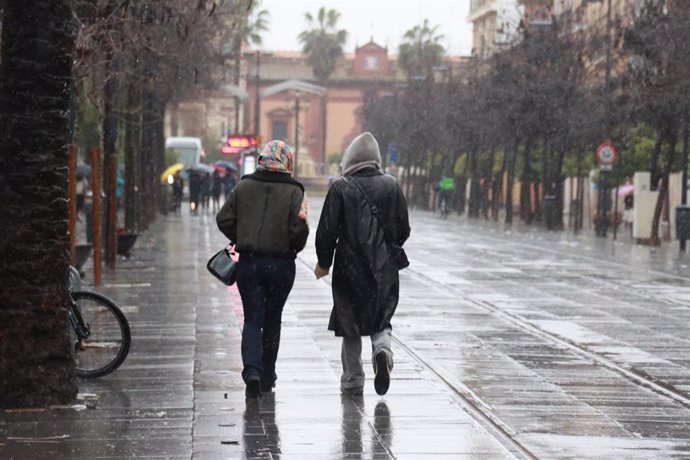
column 253, row 389
column 355, row 391
column 383, row 374
column 267, row 387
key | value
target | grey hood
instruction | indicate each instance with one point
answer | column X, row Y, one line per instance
column 363, row 152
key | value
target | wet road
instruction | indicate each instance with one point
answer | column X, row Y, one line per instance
column 518, row 345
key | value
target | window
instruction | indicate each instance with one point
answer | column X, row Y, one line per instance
column 279, row 129
column 371, row 62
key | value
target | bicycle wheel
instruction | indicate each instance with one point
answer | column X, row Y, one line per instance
column 107, row 339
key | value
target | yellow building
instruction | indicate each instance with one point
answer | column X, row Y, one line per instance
column 291, row 102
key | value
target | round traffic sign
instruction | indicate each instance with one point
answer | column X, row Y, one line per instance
column 607, row 154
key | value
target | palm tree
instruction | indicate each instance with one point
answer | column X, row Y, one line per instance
column 421, row 50
column 323, row 44
column 35, row 95
column 246, row 32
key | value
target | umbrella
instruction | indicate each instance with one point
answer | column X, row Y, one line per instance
column 226, row 165
column 625, row 190
column 172, row 170
column 202, row 167
column 83, row 170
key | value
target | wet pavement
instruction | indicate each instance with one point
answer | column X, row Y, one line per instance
column 518, row 344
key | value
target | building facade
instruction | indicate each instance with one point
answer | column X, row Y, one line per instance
column 495, row 24
column 292, row 103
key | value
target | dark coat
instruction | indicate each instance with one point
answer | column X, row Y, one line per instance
column 262, row 215
column 364, row 278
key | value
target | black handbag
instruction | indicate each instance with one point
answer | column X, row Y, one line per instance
column 222, row 266
column 396, row 251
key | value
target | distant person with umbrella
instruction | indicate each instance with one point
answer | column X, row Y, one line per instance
column 216, row 189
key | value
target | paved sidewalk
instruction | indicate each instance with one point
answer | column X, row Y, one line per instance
column 519, row 343
column 180, row 393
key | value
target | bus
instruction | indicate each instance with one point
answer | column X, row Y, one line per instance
column 187, row 149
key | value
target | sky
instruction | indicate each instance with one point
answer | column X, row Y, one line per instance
column 384, row 20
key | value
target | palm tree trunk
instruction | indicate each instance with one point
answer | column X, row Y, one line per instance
column 35, row 85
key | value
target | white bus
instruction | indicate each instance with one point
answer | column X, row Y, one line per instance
column 188, row 149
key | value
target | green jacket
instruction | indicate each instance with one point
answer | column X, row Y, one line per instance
column 261, row 215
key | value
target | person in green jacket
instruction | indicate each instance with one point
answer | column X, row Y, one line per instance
column 266, row 217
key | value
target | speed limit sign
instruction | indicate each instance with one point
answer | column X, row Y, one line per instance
column 606, row 155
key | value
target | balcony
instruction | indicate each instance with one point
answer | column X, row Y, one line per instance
column 479, row 8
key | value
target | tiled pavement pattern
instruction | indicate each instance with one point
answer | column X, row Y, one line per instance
column 557, row 340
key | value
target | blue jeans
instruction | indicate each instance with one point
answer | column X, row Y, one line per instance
column 264, row 283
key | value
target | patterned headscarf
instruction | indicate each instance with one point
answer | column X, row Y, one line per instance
column 276, row 156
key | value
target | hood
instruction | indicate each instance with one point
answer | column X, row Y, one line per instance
column 363, row 152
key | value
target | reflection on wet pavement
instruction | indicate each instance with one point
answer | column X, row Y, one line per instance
column 526, row 345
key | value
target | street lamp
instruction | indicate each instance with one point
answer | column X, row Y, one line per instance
column 257, row 100
column 603, row 221
column 296, row 131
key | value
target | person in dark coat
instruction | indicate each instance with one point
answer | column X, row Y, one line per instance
column 266, row 217
column 365, row 280
column 216, row 190
column 195, row 182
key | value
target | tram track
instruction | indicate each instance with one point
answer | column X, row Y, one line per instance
column 635, row 376
column 480, row 410
column 474, row 406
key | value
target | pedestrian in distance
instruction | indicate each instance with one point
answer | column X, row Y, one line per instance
column 216, row 189
column 365, row 280
column 206, row 191
column 177, row 192
column 195, row 184
column 229, row 183
column 265, row 216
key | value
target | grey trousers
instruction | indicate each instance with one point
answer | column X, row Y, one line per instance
column 351, row 356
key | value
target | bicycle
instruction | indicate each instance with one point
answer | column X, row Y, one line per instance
column 443, row 207
column 99, row 331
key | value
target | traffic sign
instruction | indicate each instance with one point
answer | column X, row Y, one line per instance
column 392, row 153
column 607, row 154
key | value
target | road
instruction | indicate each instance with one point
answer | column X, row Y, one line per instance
column 509, row 344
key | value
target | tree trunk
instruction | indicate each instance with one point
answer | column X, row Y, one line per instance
column 130, row 160
column 474, row 206
column 525, row 195
column 146, row 165
column 663, row 189
column 558, row 181
column 110, row 162
column 158, row 152
column 35, row 82
column 654, row 160
column 511, row 180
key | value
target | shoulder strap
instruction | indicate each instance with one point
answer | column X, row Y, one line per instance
column 374, row 210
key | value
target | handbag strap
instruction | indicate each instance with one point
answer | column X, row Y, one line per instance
column 374, row 211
